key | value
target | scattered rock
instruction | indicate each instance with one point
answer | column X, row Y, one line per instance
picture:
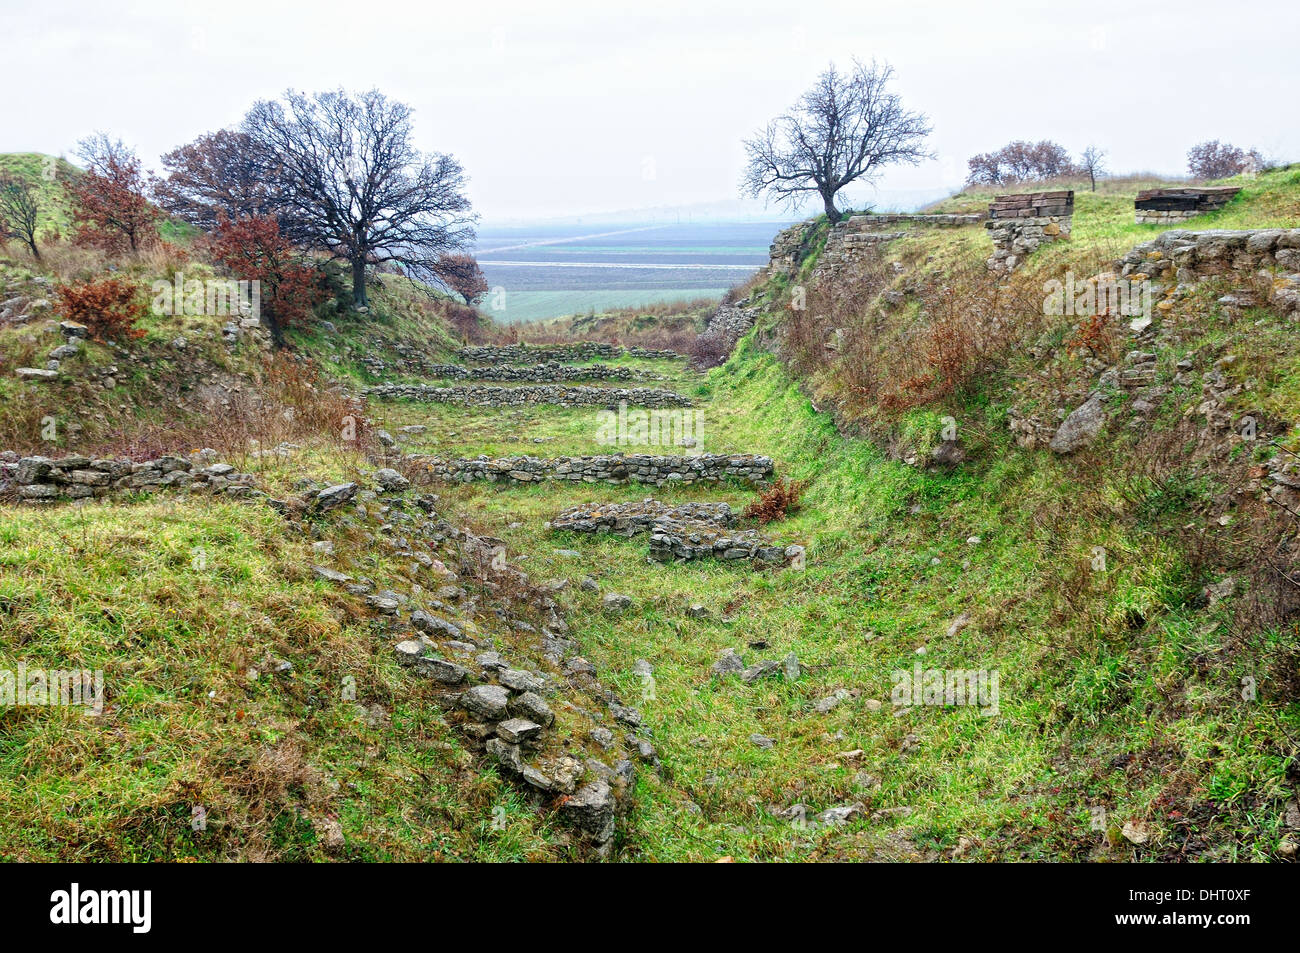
column 728, row 663
column 1080, row 428
column 615, row 602
column 486, row 701
column 519, row 730
column 337, row 495
column 391, row 481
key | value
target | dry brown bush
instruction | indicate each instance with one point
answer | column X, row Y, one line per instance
column 777, row 501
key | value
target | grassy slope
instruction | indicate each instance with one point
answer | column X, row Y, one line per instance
column 46, row 172
column 1080, row 687
column 1118, row 689
column 176, row 601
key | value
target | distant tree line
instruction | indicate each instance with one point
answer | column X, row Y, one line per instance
column 1023, row 161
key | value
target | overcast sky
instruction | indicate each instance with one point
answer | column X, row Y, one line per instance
column 577, row 107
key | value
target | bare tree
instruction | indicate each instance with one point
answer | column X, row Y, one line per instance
column 346, row 173
column 219, row 175
column 20, row 207
column 845, row 129
column 1093, row 162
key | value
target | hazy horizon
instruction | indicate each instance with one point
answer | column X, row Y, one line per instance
column 595, row 110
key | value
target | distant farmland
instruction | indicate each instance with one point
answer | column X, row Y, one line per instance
column 551, row 271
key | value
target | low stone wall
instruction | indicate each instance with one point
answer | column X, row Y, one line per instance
column 547, row 372
column 557, row 394
column 883, row 219
column 616, row 468
column 847, row 246
column 682, row 533
column 653, row 353
column 786, row 252
column 850, row 238
column 686, row 541
column 44, row 480
column 542, row 353
column 629, row 519
column 1170, row 206
column 1189, row 256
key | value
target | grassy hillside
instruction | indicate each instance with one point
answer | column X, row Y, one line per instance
column 47, row 173
column 1149, row 700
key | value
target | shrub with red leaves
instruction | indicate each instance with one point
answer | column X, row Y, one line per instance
column 108, row 308
column 253, row 248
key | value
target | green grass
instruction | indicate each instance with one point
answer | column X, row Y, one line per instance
column 174, row 601
column 47, row 173
column 1080, row 686
column 1120, row 687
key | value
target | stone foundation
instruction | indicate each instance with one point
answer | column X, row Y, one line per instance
column 884, row 219
column 1188, row 256
column 1171, row 206
column 629, row 519
column 546, row 372
column 541, row 353
column 1019, row 224
column 685, row 541
column 618, row 468
column 557, row 394
column 681, row 533
column 44, row 480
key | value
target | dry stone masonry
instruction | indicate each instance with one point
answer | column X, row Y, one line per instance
column 787, row 250
column 882, row 219
column 1171, row 206
column 1019, row 224
column 547, row 372
column 850, row 238
column 508, row 692
column 1272, row 254
column 45, row 480
column 541, row 353
column 629, row 519
column 558, row 394
column 617, row 468
column 682, row 533
column 1266, row 261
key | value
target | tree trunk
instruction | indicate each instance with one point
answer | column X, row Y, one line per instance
column 31, row 243
column 832, row 213
column 272, row 324
column 359, row 299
